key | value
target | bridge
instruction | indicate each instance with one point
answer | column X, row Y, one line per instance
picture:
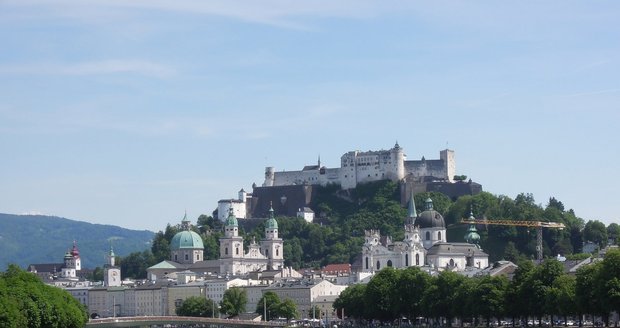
column 174, row 321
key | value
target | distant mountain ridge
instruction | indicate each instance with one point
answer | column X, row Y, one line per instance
column 29, row 239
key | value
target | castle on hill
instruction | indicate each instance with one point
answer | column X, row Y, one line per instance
column 361, row 167
column 292, row 192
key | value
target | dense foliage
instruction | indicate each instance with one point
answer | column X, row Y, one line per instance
column 234, row 301
column 271, row 306
column 196, row 306
column 337, row 234
column 535, row 292
column 25, row 301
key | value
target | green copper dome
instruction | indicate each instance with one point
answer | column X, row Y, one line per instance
column 472, row 235
column 186, row 239
column 231, row 220
column 271, row 222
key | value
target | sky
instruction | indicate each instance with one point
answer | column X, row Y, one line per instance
column 131, row 112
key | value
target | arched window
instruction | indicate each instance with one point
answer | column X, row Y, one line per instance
column 406, row 260
column 417, row 259
column 428, row 235
column 439, row 235
column 366, row 263
column 378, row 265
column 197, row 257
column 186, row 257
column 451, row 262
column 237, row 250
column 389, row 263
column 266, row 252
column 277, row 252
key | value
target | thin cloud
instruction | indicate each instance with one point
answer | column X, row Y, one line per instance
column 592, row 93
column 104, row 67
column 271, row 12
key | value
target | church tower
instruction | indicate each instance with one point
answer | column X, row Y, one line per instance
column 272, row 244
column 73, row 263
column 231, row 245
column 111, row 274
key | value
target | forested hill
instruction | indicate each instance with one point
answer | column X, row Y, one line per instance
column 343, row 217
column 26, row 239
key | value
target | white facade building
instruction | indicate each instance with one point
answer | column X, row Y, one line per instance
column 238, row 206
column 424, row 245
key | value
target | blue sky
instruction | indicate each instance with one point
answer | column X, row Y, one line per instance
column 131, row 112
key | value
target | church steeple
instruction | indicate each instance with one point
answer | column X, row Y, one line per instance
column 185, row 223
column 111, row 255
column 411, row 212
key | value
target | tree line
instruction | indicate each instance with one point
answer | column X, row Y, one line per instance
column 538, row 292
column 234, row 302
column 342, row 216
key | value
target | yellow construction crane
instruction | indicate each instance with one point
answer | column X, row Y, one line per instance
column 539, row 225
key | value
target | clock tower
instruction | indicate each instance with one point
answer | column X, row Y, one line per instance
column 111, row 273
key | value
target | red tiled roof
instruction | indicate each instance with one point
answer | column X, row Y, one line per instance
column 337, row 268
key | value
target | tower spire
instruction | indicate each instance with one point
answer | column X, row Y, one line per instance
column 412, row 214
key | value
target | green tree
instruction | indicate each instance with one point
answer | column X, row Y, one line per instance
column 382, row 299
column 135, row 264
column 439, row 299
column 412, row 283
column 518, row 293
column 351, row 300
column 608, row 281
column 197, row 306
column 490, row 294
column 613, row 232
column 588, row 301
column 269, row 303
column 562, row 297
column 25, row 301
column 596, row 232
column 288, row 309
column 234, row 301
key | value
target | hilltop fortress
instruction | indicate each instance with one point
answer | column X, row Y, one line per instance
column 360, row 167
column 292, row 192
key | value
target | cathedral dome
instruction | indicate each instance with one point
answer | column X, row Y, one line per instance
column 231, row 220
column 186, row 239
column 271, row 222
column 430, row 218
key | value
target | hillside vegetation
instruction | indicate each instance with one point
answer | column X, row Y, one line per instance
column 28, row 239
column 337, row 234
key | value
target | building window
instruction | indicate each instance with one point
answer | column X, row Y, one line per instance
column 237, row 250
column 226, row 251
column 277, row 252
column 266, row 252
column 389, row 263
column 439, row 235
column 186, row 257
column 366, row 263
column 406, row 260
column 417, row 259
column 378, row 265
column 175, row 257
column 428, row 235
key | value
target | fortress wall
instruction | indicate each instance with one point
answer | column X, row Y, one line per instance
column 435, row 168
column 329, row 176
column 287, row 178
